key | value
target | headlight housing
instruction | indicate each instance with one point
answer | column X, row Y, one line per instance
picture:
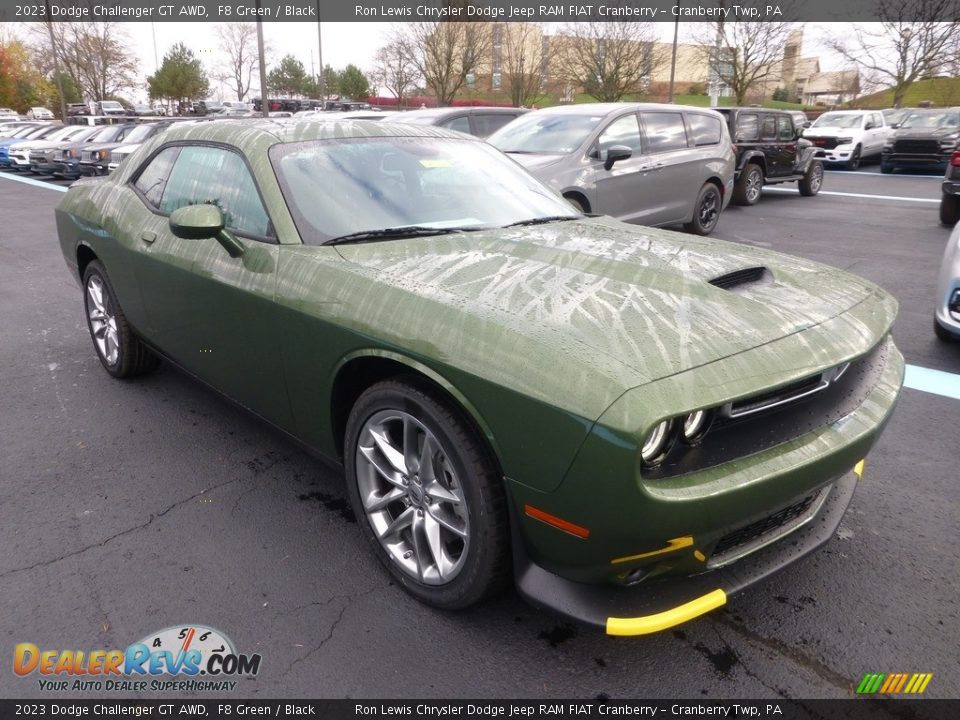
column 844, row 140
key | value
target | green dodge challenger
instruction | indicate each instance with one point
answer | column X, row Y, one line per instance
column 634, row 423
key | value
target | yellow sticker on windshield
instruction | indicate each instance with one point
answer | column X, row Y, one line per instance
column 435, row 163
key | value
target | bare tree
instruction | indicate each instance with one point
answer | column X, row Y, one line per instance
column 445, row 53
column 238, row 41
column 394, row 70
column 96, row 56
column 902, row 50
column 746, row 56
column 609, row 60
column 523, row 61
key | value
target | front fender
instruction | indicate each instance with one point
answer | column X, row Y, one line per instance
column 804, row 159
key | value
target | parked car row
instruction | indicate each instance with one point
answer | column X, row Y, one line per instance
column 71, row 151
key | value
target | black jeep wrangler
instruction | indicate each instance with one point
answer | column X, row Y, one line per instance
column 770, row 151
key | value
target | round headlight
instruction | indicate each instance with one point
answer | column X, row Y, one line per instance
column 695, row 425
column 656, row 443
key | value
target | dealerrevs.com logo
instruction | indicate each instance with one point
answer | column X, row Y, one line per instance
column 193, row 657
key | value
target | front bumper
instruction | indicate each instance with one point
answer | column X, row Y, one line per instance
column 839, row 154
column 666, row 602
column 947, row 311
column 92, row 169
column 932, row 161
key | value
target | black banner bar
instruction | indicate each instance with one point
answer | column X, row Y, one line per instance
column 862, row 708
column 468, row 10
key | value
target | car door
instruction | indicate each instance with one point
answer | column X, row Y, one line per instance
column 211, row 313
column 875, row 133
column 680, row 170
column 622, row 190
column 786, row 146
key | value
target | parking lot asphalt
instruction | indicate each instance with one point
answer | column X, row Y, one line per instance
column 127, row 507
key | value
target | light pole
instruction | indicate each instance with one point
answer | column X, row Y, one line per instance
column 264, row 100
column 673, row 56
column 320, row 80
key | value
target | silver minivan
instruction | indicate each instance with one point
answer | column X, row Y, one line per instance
column 639, row 162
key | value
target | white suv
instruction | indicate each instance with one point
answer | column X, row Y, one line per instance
column 848, row 136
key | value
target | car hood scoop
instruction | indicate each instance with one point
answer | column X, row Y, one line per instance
column 656, row 301
column 738, row 279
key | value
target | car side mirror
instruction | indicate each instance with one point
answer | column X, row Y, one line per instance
column 200, row 222
column 869, row 126
column 895, row 126
column 616, row 153
column 797, row 133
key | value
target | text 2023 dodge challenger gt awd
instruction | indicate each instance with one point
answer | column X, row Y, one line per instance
column 638, row 423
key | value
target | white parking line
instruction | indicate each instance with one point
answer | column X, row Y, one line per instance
column 856, row 195
column 31, row 181
column 849, row 173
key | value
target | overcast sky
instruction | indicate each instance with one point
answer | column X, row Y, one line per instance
column 343, row 43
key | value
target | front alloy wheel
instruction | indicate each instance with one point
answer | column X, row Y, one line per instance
column 427, row 494
column 854, row 162
column 812, row 179
column 121, row 352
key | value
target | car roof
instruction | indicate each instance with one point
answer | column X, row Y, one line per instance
column 249, row 131
column 609, row 108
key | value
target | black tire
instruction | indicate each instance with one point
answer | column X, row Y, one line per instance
column 706, row 211
column 943, row 334
column 950, row 210
column 854, row 162
column 576, row 202
column 750, row 185
column 483, row 563
column 132, row 357
column 885, row 168
column 812, row 179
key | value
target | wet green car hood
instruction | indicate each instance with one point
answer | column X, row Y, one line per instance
column 636, row 298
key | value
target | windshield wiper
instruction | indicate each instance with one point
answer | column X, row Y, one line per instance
column 394, row 232
column 543, row 220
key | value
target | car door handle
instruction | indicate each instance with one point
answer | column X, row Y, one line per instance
column 654, row 166
column 147, row 236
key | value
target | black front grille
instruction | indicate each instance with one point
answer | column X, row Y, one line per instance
column 917, row 147
column 757, row 531
column 827, row 143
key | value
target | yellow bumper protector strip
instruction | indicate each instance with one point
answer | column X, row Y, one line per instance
column 668, row 618
column 859, row 467
column 675, row 544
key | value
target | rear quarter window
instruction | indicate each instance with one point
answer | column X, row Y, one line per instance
column 748, row 128
column 704, row 130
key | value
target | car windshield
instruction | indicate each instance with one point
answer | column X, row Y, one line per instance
column 544, row 133
column 838, row 120
column 932, row 120
column 140, row 133
column 344, row 187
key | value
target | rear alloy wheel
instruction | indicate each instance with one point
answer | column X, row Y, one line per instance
column 943, row 334
column 426, row 495
column 120, row 351
column 812, row 179
column 749, row 186
column 950, row 210
column 854, row 162
column 576, row 202
column 706, row 211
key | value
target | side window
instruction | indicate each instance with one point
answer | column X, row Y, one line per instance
column 876, row 120
column 664, row 131
column 748, row 128
column 488, row 124
column 153, row 178
column 622, row 131
column 769, row 129
column 214, row 176
column 703, row 129
column 461, row 124
column 785, row 127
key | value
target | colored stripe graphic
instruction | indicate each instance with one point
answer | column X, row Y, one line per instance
column 894, row 683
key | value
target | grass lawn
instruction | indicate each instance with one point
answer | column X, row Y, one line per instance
column 942, row 92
